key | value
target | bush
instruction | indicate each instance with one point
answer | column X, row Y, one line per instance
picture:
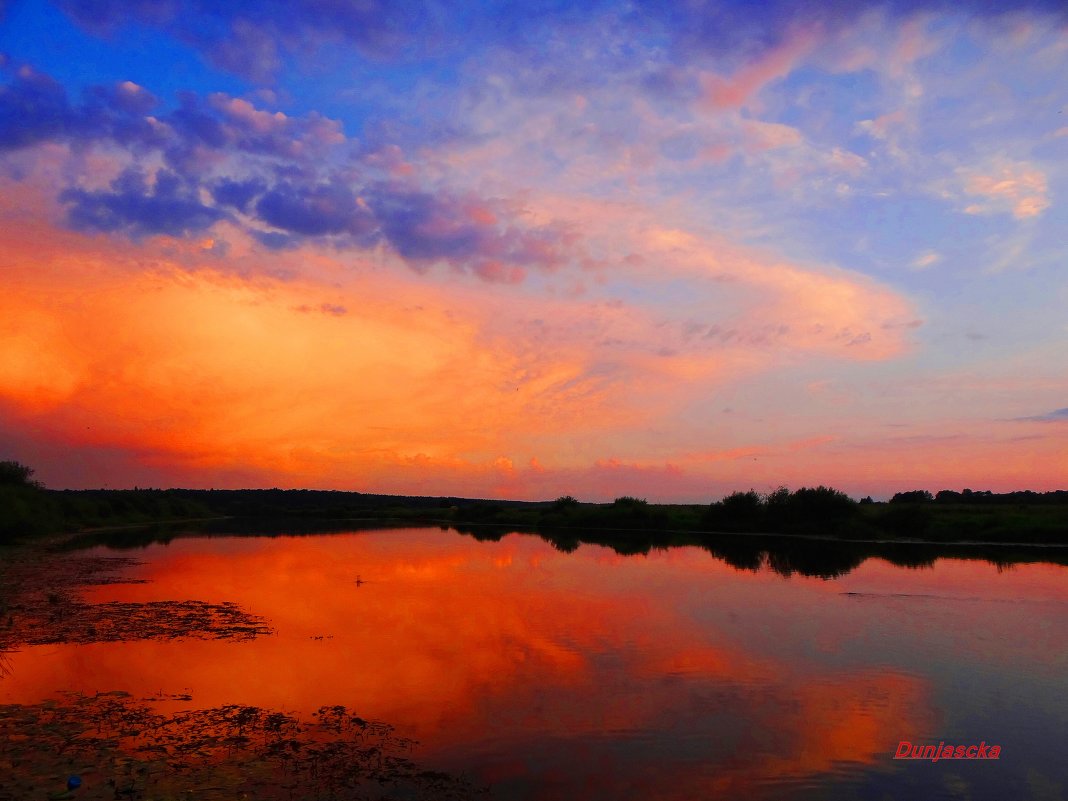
column 809, row 509
column 914, row 496
column 16, row 474
column 822, row 502
column 739, row 511
column 742, row 504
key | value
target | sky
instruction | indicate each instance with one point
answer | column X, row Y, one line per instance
column 528, row 250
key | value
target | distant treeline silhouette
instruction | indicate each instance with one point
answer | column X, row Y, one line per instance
column 27, row 509
column 984, row 497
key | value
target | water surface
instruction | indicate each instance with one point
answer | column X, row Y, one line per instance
column 592, row 675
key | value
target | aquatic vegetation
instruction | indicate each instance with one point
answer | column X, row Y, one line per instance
column 122, row 748
column 40, row 604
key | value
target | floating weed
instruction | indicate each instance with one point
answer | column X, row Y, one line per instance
column 124, row 749
column 40, row 592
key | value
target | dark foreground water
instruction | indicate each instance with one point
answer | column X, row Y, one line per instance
column 591, row 675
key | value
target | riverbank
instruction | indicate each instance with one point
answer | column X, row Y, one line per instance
column 1039, row 519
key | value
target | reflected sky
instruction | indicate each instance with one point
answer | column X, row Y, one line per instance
column 595, row 675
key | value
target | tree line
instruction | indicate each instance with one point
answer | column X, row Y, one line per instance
column 27, row 509
column 983, row 497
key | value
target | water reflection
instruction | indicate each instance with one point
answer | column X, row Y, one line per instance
column 592, row 674
column 785, row 555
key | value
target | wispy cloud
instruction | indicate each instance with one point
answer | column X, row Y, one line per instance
column 928, row 258
column 1056, row 416
column 1019, row 189
column 226, row 159
column 449, row 250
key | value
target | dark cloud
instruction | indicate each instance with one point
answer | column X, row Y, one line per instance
column 196, row 125
column 266, row 172
column 33, row 108
column 276, row 240
column 125, row 96
column 248, row 37
column 252, row 37
column 1056, row 416
column 234, row 124
column 237, row 194
column 315, row 210
column 132, row 205
column 250, row 50
column 714, row 26
column 423, row 226
column 429, row 227
column 102, row 15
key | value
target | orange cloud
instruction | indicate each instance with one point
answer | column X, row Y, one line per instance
column 212, row 371
column 309, row 368
column 1016, row 188
column 742, row 87
column 154, row 348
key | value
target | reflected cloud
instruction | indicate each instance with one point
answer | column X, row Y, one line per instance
column 507, row 649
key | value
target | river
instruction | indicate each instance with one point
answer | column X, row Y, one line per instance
column 589, row 674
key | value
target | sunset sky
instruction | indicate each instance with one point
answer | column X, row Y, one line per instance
column 528, row 249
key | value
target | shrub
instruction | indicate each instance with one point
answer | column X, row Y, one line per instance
column 822, row 502
column 914, row 496
column 563, row 503
column 811, row 509
column 739, row 511
column 16, row 474
column 742, row 504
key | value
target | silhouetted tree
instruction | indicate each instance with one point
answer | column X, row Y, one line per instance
column 16, row 474
column 914, row 496
column 820, row 504
column 739, row 511
column 742, row 504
